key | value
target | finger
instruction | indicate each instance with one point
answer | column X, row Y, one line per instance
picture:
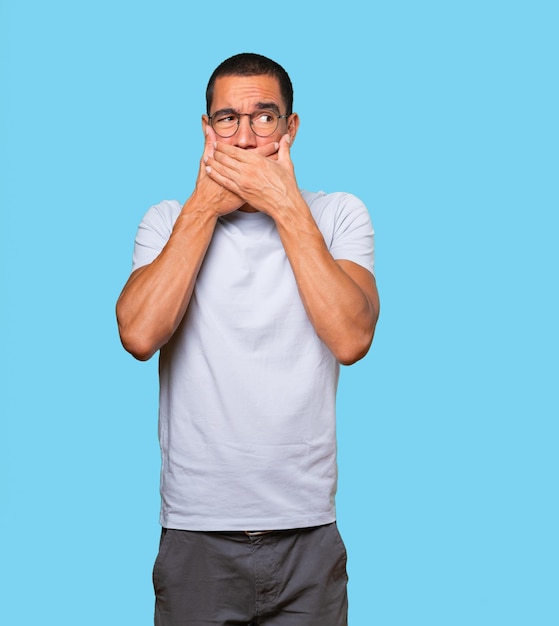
column 267, row 149
column 220, row 179
column 226, row 163
column 247, row 156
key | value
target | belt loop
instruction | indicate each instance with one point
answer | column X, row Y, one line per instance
column 257, row 533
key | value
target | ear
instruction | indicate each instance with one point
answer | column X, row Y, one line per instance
column 293, row 126
column 205, row 123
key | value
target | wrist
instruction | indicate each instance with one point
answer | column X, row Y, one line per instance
column 195, row 212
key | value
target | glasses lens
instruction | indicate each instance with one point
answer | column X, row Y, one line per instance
column 264, row 123
column 225, row 125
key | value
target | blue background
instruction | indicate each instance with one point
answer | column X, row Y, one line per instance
column 443, row 118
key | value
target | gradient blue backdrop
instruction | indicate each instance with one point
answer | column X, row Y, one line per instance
column 443, row 118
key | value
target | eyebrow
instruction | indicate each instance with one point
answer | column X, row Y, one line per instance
column 260, row 106
column 271, row 106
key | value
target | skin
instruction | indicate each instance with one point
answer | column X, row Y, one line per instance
column 249, row 173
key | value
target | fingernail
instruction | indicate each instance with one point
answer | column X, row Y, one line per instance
column 276, row 145
column 214, row 144
column 206, row 159
column 208, row 169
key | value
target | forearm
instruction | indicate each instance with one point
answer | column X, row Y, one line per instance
column 340, row 297
column 155, row 298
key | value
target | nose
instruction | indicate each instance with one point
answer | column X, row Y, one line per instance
column 244, row 137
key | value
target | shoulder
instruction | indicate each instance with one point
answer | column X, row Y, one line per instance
column 331, row 205
column 345, row 224
column 338, row 209
column 154, row 231
column 163, row 214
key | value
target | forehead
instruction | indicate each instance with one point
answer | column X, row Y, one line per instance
column 242, row 93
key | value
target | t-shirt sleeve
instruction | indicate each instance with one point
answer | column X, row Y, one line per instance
column 154, row 232
column 347, row 229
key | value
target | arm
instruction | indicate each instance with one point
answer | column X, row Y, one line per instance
column 340, row 297
column 156, row 296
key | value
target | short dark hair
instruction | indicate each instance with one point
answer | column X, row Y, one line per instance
column 250, row 64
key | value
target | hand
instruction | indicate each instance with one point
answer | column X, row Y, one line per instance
column 264, row 183
column 212, row 194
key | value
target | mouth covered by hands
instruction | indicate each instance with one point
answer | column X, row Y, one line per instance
column 262, row 177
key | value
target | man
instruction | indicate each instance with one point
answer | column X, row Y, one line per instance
column 254, row 292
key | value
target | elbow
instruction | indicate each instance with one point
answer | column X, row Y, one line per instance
column 354, row 347
column 137, row 346
column 350, row 353
column 133, row 340
column 139, row 352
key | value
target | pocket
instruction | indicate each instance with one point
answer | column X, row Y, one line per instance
column 159, row 560
column 342, row 552
column 338, row 537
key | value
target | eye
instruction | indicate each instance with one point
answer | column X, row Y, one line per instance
column 225, row 119
column 265, row 117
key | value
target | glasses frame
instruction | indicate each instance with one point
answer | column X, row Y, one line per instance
column 249, row 115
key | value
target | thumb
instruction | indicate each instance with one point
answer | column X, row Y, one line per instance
column 284, row 148
column 209, row 141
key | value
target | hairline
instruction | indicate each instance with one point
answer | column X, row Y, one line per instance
column 208, row 107
column 248, row 64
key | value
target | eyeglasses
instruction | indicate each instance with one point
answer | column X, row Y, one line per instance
column 263, row 122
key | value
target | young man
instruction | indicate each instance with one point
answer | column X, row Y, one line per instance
column 254, row 292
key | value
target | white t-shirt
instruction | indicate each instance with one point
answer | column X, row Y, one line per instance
column 247, row 423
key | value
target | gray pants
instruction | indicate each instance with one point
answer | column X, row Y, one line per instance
column 279, row 578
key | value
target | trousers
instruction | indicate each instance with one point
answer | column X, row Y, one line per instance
column 270, row 578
